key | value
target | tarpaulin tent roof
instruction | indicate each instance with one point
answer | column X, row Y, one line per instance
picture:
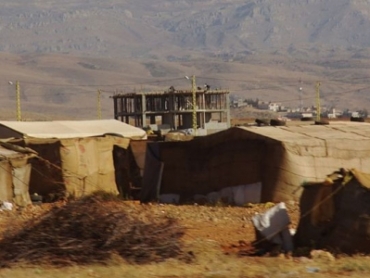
column 69, row 129
column 334, row 131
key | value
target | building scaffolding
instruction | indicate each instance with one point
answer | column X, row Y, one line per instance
column 175, row 108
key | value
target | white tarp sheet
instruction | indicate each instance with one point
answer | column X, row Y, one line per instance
column 273, row 225
column 74, row 129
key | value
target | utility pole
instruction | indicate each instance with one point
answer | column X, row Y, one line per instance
column 318, row 107
column 18, row 99
column 99, row 105
column 194, row 93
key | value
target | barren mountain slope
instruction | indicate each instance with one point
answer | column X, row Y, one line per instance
column 139, row 28
column 62, row 52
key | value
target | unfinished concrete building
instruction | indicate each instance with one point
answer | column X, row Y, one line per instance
column 204, row 110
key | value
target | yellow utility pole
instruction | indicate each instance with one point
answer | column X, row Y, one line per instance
column 194, row 92
column 18, row 96
column 99, row 104
column 318, row 107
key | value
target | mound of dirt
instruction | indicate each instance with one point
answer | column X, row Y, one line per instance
column 91, row 230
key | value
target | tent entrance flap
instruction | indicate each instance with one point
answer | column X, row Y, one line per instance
column 152, row 178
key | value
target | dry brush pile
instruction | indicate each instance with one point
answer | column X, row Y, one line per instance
column 91, row 230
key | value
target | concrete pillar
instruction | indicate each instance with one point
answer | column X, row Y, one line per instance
column 228, row 110
column 143, row 110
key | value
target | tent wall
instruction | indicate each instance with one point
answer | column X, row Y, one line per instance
column 77, row 166
column 203, row 165
column 276, row 183
column 138, row 149
column 6, row 181
column 14, row 181
column 21, row 177
column 152, row 177
column 88, row 165
column 122, row 170
column 309, row 161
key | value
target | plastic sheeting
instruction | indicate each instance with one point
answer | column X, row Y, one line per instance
column 273, row 225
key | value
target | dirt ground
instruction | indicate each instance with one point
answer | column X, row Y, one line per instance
column 225, row 225
column 215, row 235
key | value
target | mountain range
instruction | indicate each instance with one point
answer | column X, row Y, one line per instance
column 257, row 48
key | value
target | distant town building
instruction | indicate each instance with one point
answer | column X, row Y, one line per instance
column 239, row 103
column 173, row 109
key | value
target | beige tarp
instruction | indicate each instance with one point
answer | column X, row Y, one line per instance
column 21, row 184
column 87, row 165
column 308, row 153
column 69, row 129
column 138, row 148
column 6, row 181
column 363, row 178
column 14, row 177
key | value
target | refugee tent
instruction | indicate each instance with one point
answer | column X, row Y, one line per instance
column 280, row 158
column 335, row 214
column 74, row 157
column 15, row 171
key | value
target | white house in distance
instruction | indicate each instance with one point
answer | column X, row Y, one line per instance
column 271, row 106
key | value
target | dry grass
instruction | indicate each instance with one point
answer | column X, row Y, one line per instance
column 210, row 262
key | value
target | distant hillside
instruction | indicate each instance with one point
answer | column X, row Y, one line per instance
column 62, row 52
column 140, row 28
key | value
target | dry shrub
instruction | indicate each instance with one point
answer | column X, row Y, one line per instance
column 91, row 230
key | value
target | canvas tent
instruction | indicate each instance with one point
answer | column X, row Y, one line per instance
column 335, row 214
column 74, row 157
column 15, row 171
column 281, row 158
